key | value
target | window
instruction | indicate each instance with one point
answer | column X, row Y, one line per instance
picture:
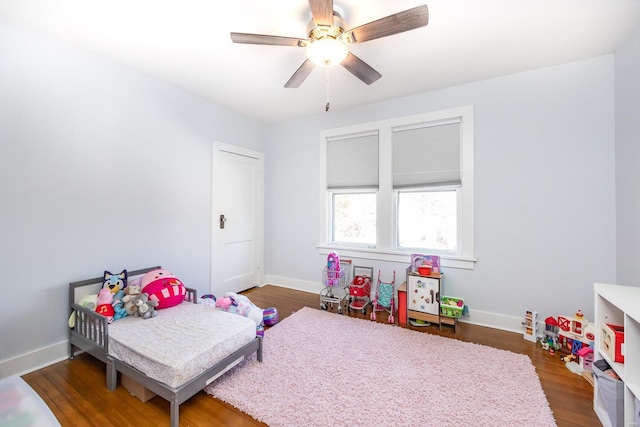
column 400, row 186
column 354, row 218
column 428, row 220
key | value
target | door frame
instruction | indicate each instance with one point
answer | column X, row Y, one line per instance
column 221, row 147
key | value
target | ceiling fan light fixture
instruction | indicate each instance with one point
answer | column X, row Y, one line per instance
column 327, row 51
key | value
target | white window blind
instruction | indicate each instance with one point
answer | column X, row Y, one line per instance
column 352, row 161
column 426, row 155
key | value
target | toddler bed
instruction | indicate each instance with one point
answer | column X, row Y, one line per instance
column 175, row 354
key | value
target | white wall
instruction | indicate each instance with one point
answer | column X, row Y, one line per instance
column 544, row 201
column 627, row 159
column 101, row 168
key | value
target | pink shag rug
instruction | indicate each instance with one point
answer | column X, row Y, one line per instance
column 322, row 368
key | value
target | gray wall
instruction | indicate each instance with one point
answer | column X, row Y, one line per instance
column 627, row 157
column 102, row 168
column 544, row 200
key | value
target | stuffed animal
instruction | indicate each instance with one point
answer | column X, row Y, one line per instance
column 163, row 287
column 104, row 304
column 131, row 292
column 118, row 305
column 89, row 302
column 115, row 282
column 208, row 300
column 240, row 304
column 145, row 308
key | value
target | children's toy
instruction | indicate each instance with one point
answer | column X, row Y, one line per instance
column 585, row 355
column 240, row 304
column 131, row 292
column 145, row 307
column 89, row 302
column 531, row 326
column 163, row 287
column 612, row 341
column 451, row 306
column 270, row 316
column 425, row 264
column 115, row 282
column 549, row 339
column 335, row 277
column 384, row 298
column 574, row 332
column 104, row 304
column 208, row 300
column 118, row 305
column 360, row 288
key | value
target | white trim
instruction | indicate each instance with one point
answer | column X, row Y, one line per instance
column 295, row 284
column 34, row 360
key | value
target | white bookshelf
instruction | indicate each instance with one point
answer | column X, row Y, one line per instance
column 619, row 305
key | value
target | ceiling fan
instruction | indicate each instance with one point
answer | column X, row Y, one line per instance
column 328, row 40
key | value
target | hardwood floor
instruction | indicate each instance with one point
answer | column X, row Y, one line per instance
column 76, row 391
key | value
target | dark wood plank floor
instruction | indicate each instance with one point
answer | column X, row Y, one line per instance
column 76, row 393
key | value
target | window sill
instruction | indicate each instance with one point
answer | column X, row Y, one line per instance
column 390, row 256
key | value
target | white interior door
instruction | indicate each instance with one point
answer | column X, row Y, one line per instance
column 237, row 225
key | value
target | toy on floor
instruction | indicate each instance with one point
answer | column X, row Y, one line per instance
column 333, row 269
column 384, row 298
column 335, row 277
column 270, row 316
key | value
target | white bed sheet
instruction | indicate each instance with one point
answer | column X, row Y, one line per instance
column 179, row 343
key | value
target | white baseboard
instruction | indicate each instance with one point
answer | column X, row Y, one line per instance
column 34, row 360
column 476, row 317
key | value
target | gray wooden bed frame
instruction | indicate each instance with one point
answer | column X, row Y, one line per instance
column 91, row 334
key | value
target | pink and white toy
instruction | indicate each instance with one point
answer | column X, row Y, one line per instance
column 163, row 287
column 333, row 269
column 104, row 304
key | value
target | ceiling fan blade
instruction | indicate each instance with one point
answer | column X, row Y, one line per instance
column 322, row 11
column 301, row 73
column 268, row 40
column 393, row 24
column 360, row 69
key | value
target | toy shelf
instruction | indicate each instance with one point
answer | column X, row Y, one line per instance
column 619, row 305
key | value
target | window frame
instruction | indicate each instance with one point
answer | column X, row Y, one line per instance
column 386, row 247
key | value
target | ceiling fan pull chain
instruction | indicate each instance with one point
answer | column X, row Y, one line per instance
column 326, row 107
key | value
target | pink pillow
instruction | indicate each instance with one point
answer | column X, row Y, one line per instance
column 163, row 287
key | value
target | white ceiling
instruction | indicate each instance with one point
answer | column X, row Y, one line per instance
column 186, row 43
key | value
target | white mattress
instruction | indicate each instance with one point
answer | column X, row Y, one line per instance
column 179, row 343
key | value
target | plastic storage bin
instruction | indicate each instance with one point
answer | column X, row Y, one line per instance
column 611, row 391
column 451, row 306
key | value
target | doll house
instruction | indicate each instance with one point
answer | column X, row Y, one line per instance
column 549, row 339
column 574, row 332
column 585, row 355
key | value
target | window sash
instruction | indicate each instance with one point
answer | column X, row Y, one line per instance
column 352, row 161
column 427, row 155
